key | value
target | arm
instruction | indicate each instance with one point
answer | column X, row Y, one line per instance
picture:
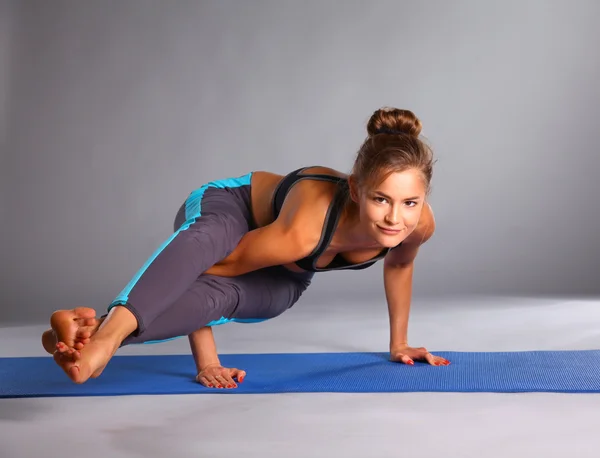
column 204, row 348
column 210, row 372
column 292, row 236
column 398, row 280
column 275, row 244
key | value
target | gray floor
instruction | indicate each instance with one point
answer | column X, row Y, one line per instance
column 331, row 425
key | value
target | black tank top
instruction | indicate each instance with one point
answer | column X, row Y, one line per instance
column 331, row 220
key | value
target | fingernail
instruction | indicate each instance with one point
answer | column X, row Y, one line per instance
column 411, row 363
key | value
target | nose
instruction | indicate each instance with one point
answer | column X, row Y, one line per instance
column 393, row 216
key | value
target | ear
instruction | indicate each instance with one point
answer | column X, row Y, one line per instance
column 353, row 188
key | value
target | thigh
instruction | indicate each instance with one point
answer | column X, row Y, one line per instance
column 210, row 224
column 221, row 213
column 209, row 301
column 212, row 300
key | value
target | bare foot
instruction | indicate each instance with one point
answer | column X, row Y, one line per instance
column 72, row 329
column 99, row 348
column 91, row 361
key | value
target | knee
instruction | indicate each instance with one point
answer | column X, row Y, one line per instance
column 179, row 218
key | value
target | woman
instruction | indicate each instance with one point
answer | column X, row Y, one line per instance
column 245, row 249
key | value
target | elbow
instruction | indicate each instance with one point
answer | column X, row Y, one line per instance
column 301, row 243
column 397, row 264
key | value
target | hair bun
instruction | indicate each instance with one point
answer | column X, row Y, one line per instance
column 394, row 121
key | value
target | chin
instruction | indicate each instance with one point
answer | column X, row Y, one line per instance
column 390, row 242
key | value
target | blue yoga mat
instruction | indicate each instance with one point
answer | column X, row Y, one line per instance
column 508, row 372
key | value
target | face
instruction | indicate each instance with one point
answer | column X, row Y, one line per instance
column 390, row 211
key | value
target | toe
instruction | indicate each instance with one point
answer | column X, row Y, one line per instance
column 83, row 334
column 90, row 322
column 84, row 312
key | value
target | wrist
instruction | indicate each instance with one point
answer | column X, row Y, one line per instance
column 207, row 359
column 203, row 367
column 398, row 346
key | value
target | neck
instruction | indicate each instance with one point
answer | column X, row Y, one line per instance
column 349, row 233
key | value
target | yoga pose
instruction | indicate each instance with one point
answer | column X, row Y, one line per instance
column 245, row 249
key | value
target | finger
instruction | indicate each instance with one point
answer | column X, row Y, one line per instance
column 430, row 359
column 229, row 382
column 439, row 361
column 212, row 380
column 225, row 379
column 222, row 383
column 442, row 361
column 407, row 360
column 239, row 375
column 203, row 381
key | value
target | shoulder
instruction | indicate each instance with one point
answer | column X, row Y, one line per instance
column 306, row 205
column 312, row 195
column 406, row 253
column 426, row 227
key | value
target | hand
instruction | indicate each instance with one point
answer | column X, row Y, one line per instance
column 408, row 355
column 215, row 376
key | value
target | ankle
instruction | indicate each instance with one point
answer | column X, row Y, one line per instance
column 117, row 325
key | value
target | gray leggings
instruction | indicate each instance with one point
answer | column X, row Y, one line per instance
column 171, row 296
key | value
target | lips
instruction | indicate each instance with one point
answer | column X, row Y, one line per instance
column 389, row 231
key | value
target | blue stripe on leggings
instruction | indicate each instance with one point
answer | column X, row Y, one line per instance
column 224, row 320
column 193, row 211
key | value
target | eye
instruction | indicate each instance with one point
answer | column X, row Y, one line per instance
column 380, row 200
column 411, row 203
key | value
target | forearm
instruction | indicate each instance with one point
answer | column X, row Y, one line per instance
column 398, row 290
column 204, row 348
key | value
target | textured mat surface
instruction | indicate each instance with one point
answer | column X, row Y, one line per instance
column 550, row 371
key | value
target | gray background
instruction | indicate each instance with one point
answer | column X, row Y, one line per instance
column 111, row 112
